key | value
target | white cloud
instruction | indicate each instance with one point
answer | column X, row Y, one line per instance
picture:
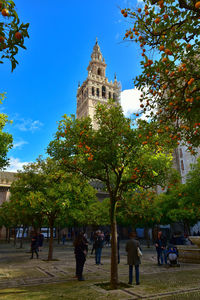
column 15, row 164
column 130, row 101
column 19, row 144
column 26, row 124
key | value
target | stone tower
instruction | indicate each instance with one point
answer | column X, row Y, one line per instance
column 96, row 87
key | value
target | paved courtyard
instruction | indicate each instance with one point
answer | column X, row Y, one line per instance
column 21, row 277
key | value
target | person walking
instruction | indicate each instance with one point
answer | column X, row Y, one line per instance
column 64, row 238
column 132, row 258
column 98, row 245
column 80, row 251
column 34, row 245
column 161, row 244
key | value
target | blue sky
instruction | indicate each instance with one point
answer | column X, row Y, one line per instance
column 43, row 86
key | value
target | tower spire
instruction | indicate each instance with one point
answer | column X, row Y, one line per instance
column 96, row 54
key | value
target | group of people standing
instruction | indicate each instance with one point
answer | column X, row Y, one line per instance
column 81, row 250
column 132, row 248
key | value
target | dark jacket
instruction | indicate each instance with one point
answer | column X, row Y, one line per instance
column 162, row 242
column 80, row 250
column 131, row 249
column 98, row 243
column 34, row 242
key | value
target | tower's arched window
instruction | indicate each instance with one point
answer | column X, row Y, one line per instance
column 110, row 95
column 103, row 91
column 114, row 96
column 99, row 71
column 92, row 91
column 97, row 92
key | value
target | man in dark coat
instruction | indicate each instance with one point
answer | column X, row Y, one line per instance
column 34, row 245
column 132, row 258
column 161, row 244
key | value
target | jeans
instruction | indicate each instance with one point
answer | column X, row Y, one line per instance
column 98, row 256
column 136, row 274
column 161, row 253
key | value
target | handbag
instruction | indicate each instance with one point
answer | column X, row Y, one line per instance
column 139, row 252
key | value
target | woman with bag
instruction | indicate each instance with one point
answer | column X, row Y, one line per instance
column 80, row 251
column 133, row 257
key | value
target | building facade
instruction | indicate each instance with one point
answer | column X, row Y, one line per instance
column 96, row 88
column 183, row 160
column 6, row 179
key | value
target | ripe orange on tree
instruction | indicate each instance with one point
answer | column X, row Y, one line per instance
column 18, row 35
column 1, row 39
column 197, row 5
column 5, row 12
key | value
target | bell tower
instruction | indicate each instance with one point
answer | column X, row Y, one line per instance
column 96, row 87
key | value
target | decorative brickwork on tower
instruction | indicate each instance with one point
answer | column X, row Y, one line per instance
column 96, row 87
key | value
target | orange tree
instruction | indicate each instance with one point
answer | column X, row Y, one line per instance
column 5, row 138
column 12, row 32
column 139, row 209
column 45, row 194
column 168, row 35
column 181, row 201
column 179, row 205
column 116, row 154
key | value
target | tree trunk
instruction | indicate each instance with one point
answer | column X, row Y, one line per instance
column 50, row 254
column 58, row 233
column 15, row 237
column 7, row 235
column 114, row 254
column 187, row 228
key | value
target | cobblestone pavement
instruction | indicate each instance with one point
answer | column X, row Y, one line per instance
column 17, row 269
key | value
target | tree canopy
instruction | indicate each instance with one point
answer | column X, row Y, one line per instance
column 117, row 154
column 43, row 194
column 168, row 35
column 12, row 32
column 5, row 138
column 180, row 203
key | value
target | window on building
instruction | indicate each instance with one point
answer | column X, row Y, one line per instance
column 114, row 96
column 99, row 71
column 92, row 91
column 103, row 91
column 97, row 92
column 109, row 95
column 182, row 165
